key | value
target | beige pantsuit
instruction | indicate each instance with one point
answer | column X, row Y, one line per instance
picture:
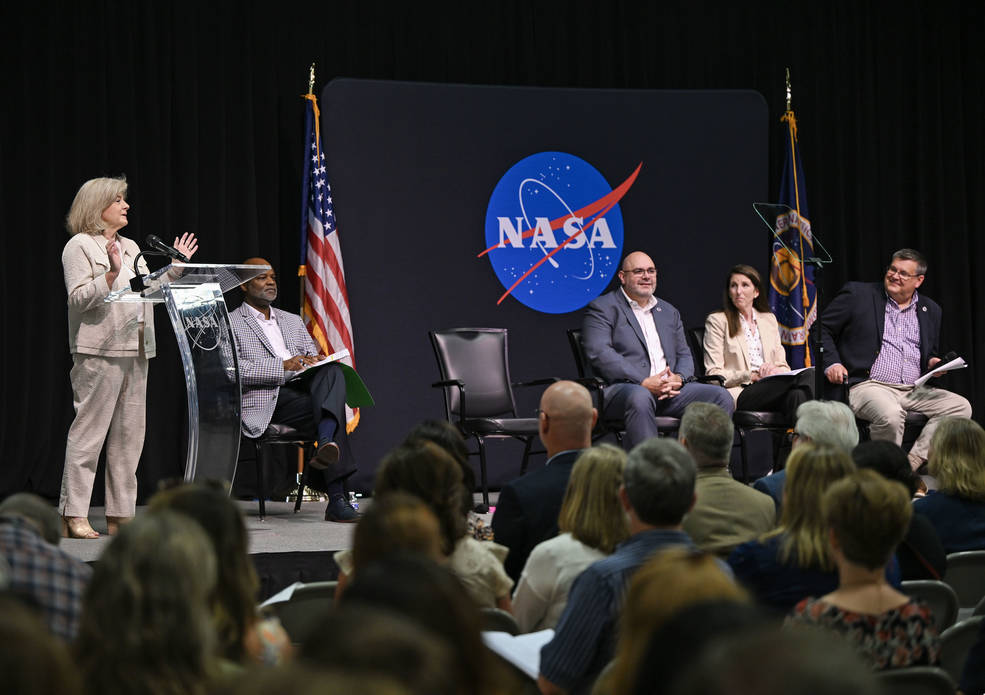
column 110, row 344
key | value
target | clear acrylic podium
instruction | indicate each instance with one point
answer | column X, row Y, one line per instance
column 193, row 293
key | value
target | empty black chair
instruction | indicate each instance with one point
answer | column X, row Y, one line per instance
column 746, row 421
column 608, row 422
column 916, row 680
column 478, row 393
column 966, row 575
column 956, row 642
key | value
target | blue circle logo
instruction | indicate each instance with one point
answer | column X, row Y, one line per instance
column 554, row 232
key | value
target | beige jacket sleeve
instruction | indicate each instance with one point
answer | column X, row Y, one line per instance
column 724, row 355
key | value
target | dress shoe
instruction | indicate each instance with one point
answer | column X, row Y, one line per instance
column 339, row 510
column 328, row 455
column 113, row 523
column 77, row 527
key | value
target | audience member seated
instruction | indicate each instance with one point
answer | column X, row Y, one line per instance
column 527, row 510
column 726, row 512
column 33, row 661
column 920, row 554
column 957, row 507
column 867, row 516
column 742, row 344
column 39, row 572
column 430, row 596
column 793, row 561
column 822, row 422
column 592, row 525
column 770, row 661
column 428, row 472
column 146, row 623
column 673, row 580
column 657, row 491
column 449, row 438
column 242, row 635
column 685, row 636
column 395, row 522
column 383, row 643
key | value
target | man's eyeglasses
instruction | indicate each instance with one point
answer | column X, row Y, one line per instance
column 903, row 275
column 793, row 436
column 640, row 272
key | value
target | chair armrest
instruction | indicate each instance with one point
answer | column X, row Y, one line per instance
column 448, row 382
column 711, row 379
column 538, row 382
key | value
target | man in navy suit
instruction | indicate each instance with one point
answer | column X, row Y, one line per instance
column 878, row 338
column 636, row 343
column 528, row 507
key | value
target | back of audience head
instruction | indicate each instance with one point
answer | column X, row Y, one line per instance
column 707, row 433
column 449, row 438
column 669, row 582
column 36, row 511
column 146, row 623
column 302, row 678
column 867, row 516
column 395, row 522
column 684, row 637
column 234, row 597
column 384, row 644
column 827, row 422
column 431, row 597
column 957, row 458
column 566, row 417
column 590, row 511
column 888, row 460
column 771, row 661
column 811, row 469
column 658, row 482
column 427, row 471
column 32, row 660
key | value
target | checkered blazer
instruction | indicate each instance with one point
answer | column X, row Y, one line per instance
column 261, row 371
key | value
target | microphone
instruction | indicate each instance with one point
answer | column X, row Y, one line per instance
column 156, row 243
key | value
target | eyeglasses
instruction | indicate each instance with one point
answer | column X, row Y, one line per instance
column 903, row 275
column 639, row 272
column 793, row 436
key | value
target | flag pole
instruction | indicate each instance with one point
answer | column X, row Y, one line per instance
column 302, row 269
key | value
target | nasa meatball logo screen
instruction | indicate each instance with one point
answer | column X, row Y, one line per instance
column 554, row 231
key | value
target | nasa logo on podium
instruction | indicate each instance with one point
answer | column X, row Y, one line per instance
column 554, row 231
column 202, row 327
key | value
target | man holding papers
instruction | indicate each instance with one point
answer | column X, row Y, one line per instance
column 275, row 353
column 878, row 339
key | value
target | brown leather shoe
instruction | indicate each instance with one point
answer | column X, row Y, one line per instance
column 328, row 455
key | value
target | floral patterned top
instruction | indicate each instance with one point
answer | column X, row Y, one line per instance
column 901, row 637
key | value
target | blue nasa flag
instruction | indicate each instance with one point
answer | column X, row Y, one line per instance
column 793, row 295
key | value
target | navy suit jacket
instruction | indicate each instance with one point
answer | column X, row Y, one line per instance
column 614, row 344
column 852, row 326
column 772, row 485
column 528, row 508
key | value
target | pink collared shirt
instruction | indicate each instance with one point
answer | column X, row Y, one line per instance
column 644, row 317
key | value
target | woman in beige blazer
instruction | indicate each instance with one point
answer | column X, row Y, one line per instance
column 742, row 344
column 110, row 345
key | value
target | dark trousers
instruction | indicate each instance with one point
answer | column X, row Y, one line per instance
column 304, row 402
column 782, row 394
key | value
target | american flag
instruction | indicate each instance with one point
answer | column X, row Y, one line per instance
column 325, row 306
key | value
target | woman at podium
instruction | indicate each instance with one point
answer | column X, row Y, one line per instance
column 110, row 345
column 742, row 344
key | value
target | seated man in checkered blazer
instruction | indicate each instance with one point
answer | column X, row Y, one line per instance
column 274, row 349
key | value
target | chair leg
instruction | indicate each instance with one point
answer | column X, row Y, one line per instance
column 526, row 455
column 303, row 480
column 745, row 455
column 482, row 471
column 261, row 490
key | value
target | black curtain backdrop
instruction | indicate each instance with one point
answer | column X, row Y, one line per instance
column 199, row 105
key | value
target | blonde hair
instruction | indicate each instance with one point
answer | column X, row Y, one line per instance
column 667, row 584
column 95, row 195
column 811, row 469
column 869, row 516
column 591, row 511
column 957, row 458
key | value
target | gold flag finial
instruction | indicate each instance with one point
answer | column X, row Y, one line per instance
column 788, row 87
column 311, row 81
